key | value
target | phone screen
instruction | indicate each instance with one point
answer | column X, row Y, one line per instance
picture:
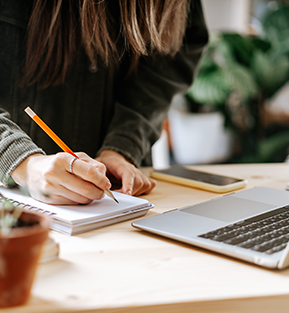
column 205, row 177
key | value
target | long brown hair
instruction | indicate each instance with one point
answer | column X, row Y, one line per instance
column 57, row 28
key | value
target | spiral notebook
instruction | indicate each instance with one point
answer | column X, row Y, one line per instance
column 75, row 219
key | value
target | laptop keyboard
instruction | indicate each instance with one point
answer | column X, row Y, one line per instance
column 267, row 233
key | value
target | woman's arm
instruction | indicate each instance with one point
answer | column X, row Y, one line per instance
column 143, row 100
column 47, row 177
column 15, row 147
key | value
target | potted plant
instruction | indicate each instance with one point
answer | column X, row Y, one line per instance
column 22, row 235
column 197, row 137
column 237, row 75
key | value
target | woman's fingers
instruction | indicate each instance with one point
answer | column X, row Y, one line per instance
column 90, row 171
column 131, row 179
column 98, row 165
column 138, row 183
column 48, row 178
column 59, row 195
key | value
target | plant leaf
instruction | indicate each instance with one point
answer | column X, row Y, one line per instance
column 269, row 74
column 276, row 25
column 240, row 79
column 211, row 88
column 240, row 46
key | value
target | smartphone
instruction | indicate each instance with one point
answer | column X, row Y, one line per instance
column 198, row 179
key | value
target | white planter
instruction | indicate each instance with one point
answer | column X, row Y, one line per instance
column 199, row 138
column 160, row 152
column 227, row 15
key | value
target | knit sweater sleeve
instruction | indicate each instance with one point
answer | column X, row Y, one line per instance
column 15, row 146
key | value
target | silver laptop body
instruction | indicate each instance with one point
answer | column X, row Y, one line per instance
column 205, row 224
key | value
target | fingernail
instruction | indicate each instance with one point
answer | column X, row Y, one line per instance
column 108, row 185
column 128, row 192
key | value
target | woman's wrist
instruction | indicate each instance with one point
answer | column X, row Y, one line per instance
column 19, row 174
column 113, row 154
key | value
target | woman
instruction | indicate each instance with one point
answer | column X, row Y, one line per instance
column 102, row 76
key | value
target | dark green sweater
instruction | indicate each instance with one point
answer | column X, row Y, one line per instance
column 92, row 111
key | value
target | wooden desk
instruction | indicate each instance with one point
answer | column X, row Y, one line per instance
column 121, row 269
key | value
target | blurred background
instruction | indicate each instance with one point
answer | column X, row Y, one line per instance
column 237, row 110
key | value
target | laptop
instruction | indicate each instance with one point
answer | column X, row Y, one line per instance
column 251, row 225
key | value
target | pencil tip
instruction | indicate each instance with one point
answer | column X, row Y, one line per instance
column 110, row 194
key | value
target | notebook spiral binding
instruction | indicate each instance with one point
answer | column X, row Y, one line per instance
column 28, row 207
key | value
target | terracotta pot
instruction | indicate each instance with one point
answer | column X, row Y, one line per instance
column 19, row 255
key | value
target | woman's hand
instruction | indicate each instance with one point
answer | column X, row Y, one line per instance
column 48, row 178
column 124, row 176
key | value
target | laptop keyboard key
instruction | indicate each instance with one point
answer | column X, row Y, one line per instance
column 247, row 244
column 237, row 240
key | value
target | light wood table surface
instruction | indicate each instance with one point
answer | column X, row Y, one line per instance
column 121, row 269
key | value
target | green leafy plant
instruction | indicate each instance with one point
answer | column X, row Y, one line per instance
column 9, row 215
column 237, row 75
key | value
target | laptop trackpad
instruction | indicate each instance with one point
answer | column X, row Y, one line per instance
column 228, row 209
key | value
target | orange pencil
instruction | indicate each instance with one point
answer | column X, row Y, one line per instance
column 48, row 131
column 57, row 140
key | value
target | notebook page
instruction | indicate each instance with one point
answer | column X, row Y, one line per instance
column 75, row 214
